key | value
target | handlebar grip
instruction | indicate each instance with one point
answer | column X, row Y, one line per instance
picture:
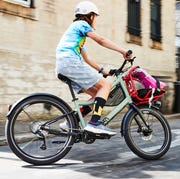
column 111, row 72
column 105, row 76
column 128, row 53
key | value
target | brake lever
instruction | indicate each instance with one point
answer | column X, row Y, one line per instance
column 132, row 60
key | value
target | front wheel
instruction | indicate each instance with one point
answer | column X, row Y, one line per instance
column 33, row 131
column 149, row 141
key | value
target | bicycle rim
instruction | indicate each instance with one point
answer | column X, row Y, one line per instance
column 33, row 144
column 148, row 142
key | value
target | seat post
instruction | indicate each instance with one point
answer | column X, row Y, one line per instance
column 69, row 83
column 72, row 91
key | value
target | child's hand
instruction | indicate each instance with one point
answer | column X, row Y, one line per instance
column 105, row 73
column 127, row 54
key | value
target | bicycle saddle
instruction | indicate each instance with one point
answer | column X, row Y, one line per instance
column 64, row 78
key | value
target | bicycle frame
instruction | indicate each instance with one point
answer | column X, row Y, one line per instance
column 127, row 100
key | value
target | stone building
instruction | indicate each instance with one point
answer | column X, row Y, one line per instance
column 31, row 29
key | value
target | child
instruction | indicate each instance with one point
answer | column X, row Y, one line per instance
column 86, row 75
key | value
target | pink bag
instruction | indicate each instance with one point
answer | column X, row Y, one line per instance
column 146, row 79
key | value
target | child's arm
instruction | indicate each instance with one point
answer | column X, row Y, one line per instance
column 107, row 43
column 93, row 63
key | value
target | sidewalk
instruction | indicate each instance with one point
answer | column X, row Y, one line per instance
column 114, row 124
column 2, row 134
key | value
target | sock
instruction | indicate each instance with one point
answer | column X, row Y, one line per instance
column 85, row 110
column 98, row 106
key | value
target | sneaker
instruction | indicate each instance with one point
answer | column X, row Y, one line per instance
column 64, row 125
column 99, row 129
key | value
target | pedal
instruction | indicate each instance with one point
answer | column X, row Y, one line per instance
column 99, row 136
column 103, row 136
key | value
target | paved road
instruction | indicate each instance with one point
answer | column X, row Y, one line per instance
column 100, row 160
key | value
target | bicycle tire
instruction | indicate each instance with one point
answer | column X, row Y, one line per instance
column 27, row 117
column 148, row 145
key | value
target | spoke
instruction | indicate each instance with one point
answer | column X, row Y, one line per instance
column 32, row 119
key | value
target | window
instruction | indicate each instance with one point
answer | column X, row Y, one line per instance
column 21, row 8
column 156, row 20
column 134, row 27
column 27, row 3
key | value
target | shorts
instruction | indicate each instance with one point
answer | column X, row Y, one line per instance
column 82, row 75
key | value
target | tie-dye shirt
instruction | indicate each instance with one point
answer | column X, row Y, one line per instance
column 72, row 42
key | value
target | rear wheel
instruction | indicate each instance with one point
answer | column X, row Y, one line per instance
column 33, row 131
column 149, row 141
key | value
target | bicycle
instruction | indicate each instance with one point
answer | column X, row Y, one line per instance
column 34, row 135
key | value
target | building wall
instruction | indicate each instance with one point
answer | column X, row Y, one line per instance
column 29, row 38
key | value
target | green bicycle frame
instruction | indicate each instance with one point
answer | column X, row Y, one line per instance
column 127, row 100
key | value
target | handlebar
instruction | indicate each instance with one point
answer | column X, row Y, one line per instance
column 116, row 72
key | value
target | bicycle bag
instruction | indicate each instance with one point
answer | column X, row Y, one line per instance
column 151, row 87
column 146, row 79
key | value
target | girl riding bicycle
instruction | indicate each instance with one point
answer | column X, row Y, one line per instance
column 86, row 75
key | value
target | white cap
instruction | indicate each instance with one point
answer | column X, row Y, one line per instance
column 86, row 7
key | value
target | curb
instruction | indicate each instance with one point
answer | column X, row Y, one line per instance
column 173, row 116
column 3, row 141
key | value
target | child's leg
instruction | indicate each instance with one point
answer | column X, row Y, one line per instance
column 97, row 111
column 103, row 87
column 92, row 92
column 102, row 94
column 94, row 126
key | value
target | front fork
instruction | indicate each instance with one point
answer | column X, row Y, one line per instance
column 140, row 114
